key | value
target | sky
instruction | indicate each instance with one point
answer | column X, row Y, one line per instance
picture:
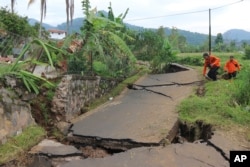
column 190, row 15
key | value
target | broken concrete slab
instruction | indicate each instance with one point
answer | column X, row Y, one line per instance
column 175, row 155
column 63, row 127
column 175, row 67
column 138, row 115
column 54, row 149
column 40, row 161
column 224, row 144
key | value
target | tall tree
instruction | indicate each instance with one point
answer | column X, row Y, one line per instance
column 219, row 39
column 12, row 5
column 43, row 8
column 219, row 46
column 173, row 38
column 69, row 12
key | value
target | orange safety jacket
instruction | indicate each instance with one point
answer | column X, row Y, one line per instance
column 232, row 66
column 212, row 61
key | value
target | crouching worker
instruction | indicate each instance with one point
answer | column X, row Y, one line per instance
column 213, row 63
column 231, row 67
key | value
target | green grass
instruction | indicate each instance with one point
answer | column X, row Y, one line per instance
column 4, row 68
column 20, row 144
column 196, row 59
column 220, row 106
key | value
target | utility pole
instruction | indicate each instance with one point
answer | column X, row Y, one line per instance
column 209, row 36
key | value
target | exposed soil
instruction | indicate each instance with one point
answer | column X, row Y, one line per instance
column 200, row 91
column 91, row 152
column 22, row 161
column 41, row 109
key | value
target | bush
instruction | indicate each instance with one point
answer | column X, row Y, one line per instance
column 195, row 61
column 242, row 93
column 100, row 68
column 247, row 52
column 76, row 66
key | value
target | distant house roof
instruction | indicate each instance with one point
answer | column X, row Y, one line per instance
column 57, row 31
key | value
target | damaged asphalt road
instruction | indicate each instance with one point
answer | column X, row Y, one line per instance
column 137, row 128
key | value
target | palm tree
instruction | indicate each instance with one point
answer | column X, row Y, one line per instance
column 69, row 12
column 12, row 5
column 43, row 13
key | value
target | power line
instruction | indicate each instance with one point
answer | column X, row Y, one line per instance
column 184, row 13
column 227, row 5
column 156, row 17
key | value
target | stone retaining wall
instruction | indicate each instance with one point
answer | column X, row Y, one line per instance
column 73, row 94
column 15, row 115
column 76, row 92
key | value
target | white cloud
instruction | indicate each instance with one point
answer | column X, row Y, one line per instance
column 223, row 19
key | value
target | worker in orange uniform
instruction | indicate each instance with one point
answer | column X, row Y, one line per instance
column 213, row 63
column 231, row 67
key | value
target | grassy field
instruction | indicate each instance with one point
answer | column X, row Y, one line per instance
column 225, row 104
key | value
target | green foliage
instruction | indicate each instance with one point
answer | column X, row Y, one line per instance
column 217, row 107
column 219, row 39
column 21, row 143
column 154, row 47
column 100, row 68
column 16, row 24
column 147, row 44
column 242, row 91
column 247, row 52
column 30, row 81
column 164, row 56
column 225, row 104
column 191, row 60
column 45, row 113
column 86, row 7
column 174, row 38
column 76, row 66
column 50, row 94
column 104, row 42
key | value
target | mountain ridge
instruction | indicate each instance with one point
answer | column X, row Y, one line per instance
column 193, row 38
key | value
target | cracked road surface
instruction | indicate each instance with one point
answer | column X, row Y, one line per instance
column 138, row 115
column 176, row 155
column 145, row 117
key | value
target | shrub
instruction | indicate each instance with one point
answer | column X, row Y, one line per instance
column 195, row 61
column 242, row 93
column 247, row 52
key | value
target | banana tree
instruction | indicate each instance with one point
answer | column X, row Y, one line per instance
column 18, row 68
column 103, row 40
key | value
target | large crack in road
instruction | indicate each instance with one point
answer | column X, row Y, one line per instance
column 96, row 147
column 141, row 129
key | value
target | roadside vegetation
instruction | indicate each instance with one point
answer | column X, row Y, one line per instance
column 225, row 104
column 20, row 144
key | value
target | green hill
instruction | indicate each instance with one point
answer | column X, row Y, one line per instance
column 193, row 38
